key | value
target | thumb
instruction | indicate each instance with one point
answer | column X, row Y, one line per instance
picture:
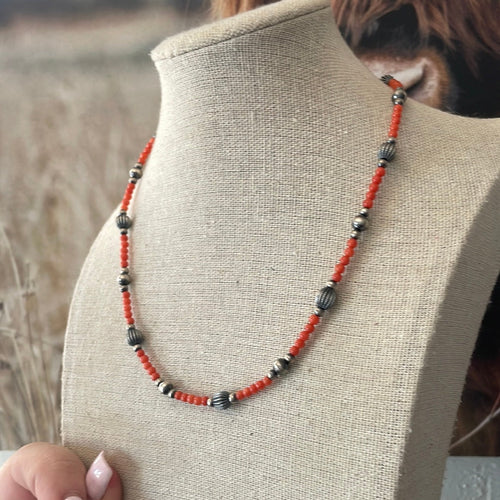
column 44, row 471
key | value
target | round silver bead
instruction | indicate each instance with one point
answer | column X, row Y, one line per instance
column 272, row 374
column 280, row 367
column 382, row 163
column 387, row 150
column 209, row 402
column 364, row 212
column 356, row 234
column 135, row 173
column 124, row 279
column 360, row 223
column 289, row 357
column 171, row 393
column 232, row 397
column 399, row 95
column 326, row 297
column 165, row 387
column 125, row 270
column 221, row 400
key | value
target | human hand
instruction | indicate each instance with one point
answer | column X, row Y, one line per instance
column 43, row 471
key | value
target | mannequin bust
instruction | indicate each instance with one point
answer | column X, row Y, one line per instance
column 266, row 142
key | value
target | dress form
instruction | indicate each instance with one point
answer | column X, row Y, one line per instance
column 267, row 139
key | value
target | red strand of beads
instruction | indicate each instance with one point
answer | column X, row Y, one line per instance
column 313, row 319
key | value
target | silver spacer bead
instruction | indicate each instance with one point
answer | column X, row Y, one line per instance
column 398, row 101
column 209, row 402
column 382, row 163
column 364, row 212
column 171, row 393
column 356, row 234
column 319, row 312
column 360, row 223
column 289, row 357
column 272, row 374
column 125, row 270
column 232, row 397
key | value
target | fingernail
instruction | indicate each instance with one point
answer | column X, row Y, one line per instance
column 73, row 498
column 98, row 477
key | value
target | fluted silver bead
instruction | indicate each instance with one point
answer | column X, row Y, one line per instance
column 123, row 221
column 387, row 150
column 386, row 78
column 221, row 400
column 326, row 297
column 360, row 223
column 134, row 336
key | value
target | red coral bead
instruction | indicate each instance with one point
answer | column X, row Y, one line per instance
column 313, row 319
column 368, row 203
column 267, row 381
column 294, row 351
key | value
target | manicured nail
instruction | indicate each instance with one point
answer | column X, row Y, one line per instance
column 98, row 477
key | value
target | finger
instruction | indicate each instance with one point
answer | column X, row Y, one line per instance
column 43, row 471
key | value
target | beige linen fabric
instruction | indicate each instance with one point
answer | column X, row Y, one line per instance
column 266, row 144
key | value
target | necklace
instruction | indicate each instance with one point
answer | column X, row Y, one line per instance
column 324, row 299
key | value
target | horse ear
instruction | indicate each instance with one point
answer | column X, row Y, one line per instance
column 425, row 75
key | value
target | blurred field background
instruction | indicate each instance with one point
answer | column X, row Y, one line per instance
column 79, row 97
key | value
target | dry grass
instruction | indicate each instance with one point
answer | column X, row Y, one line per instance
column 78, row 100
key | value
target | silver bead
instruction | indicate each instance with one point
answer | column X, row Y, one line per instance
column 209, row 402
column 289, row 357
column 356, row 234
column 125, row 270
column 232, row 397
column 319, row 312
column 123, row 221
column 364, row 212
column 280, row 367
column 386, row 78
column 134, row 336
column 360, row 223
column 221, row 400
column 382, row 163
column 124, row 279
column 138, row 165
column 171, row 393
column 399, row 95
column 387, row 150
column 164, row 387
column 135, row 173
column 272, row 374
column 326, row 297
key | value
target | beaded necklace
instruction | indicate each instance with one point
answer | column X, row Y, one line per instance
column 324, row 299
